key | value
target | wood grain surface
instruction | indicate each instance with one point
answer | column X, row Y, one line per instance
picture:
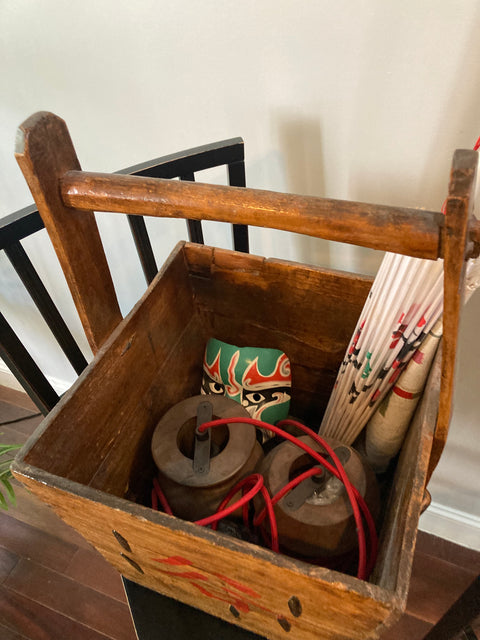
column 412, row 232
column 458, row 217
column 44, row 152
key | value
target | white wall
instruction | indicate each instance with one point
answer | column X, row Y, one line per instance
column 362, row 100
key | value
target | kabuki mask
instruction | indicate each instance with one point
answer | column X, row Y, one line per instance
column 259, row 379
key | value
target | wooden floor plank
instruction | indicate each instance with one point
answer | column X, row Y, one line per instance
column 8, row 560
column 64, row 595
column 435, row 586
column 443, row 549
column 10, row 434
column 9, row 634
column 92, row 570
column 37, row 622
column 407, row 628
column 17, row 398
column 10, row 412
column 29, row 542
column 30, row 510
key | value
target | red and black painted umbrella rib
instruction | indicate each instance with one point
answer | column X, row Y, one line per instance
column 404, row 303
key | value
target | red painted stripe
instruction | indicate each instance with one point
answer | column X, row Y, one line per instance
column 418, row 357
column 175, row 560
column 408, row 395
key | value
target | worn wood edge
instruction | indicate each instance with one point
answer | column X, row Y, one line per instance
column 425, row 418
column 44, row 150
column 352, row 223
column 160, row 369
column 456, row 244
column 292, row 581
column 228, row 257
column 414, row 511
column 80, row 381
column 26, row 474
column 464, row 167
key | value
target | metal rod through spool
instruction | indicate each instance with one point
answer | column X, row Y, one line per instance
column 306, row 489
column 201, row 454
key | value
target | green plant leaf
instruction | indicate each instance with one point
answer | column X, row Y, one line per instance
column 3, row 502
column 6, row 474
column 10, row 490
column 6, row 448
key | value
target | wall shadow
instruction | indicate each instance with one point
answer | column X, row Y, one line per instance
column 300, row 141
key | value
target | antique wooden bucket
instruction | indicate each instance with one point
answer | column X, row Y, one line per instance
column 90, row 458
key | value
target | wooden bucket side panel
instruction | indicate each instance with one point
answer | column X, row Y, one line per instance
column 231, row 579
column 404, row 506
column 128, row 468
column 78, row 435
column 307, row 312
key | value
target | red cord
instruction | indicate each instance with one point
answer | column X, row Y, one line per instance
column 354, row 496
column 352, row 493
column 273, row 521
column 260, row 487
column 312, row 472
column 222, row 510
column 256, row 478
column 260, row 517
column 245, row 512
column 477, row 145
column 161, row 497
column 363, row 505
column 203, row 522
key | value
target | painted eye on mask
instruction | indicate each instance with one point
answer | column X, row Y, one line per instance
column 216, row 387
column 254, row 398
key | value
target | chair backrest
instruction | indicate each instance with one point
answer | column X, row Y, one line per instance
column 26, row 222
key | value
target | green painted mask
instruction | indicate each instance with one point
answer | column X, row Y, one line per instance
column 259, row 379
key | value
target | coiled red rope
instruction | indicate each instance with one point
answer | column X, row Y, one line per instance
column 254, row 484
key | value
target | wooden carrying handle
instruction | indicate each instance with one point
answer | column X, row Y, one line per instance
column 413, row 232
column 408, row 231
column 459, row 234
column 47, row 158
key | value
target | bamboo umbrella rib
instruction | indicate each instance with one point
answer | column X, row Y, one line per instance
column 405, row 301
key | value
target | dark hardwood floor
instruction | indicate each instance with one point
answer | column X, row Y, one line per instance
column 55, row 586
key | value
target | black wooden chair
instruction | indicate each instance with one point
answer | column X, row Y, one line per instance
column 18, row 226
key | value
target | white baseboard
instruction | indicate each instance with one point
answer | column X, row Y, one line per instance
column 7, row 379
column 452, row 524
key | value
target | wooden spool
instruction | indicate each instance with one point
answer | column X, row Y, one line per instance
column 322, row 527
column 236, row 453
